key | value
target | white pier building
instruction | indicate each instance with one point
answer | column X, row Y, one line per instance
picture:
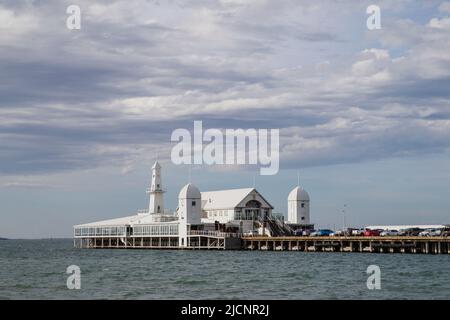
column 202, row 220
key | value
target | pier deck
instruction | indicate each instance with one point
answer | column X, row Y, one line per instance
column 397, row 244
column 222, row 241
column 206, row 240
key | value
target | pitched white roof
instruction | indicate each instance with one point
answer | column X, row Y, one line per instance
column 225, row 199
column 112, row 222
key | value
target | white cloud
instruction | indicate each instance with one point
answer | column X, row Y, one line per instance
column 443, row 23
column 136, row 71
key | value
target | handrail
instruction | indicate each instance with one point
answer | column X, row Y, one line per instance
column 213, row 233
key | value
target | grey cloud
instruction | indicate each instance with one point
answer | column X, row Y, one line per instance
column 117, row 88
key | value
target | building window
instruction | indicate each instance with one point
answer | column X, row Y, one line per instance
column 159, row 209
column 303, row 205
column 193, row 203
column 157, row 186
column 303, row 218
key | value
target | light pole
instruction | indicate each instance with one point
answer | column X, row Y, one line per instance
column 343, row 218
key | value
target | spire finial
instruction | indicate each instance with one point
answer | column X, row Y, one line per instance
column 254, row 180
column 190, row 173
column 298, row 178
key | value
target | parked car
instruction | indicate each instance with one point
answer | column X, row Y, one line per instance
column 436, row 233
column 338, row 233
column 389, row 233
column 372, row 233
column 322, row 233
column 358, row 232
column 425, row 233
column 411, row 232
column 431, row 233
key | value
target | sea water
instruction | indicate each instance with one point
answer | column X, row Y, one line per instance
column 36, row 269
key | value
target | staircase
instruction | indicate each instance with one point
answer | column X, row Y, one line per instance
column 277, row 227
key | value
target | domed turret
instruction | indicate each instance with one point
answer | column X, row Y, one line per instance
column 298, row 206
column 298, row 194
column 189, row 191
column 189, row 211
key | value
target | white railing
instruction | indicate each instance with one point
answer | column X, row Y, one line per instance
column 214, row 234
column 146, row 211
column 150, row 190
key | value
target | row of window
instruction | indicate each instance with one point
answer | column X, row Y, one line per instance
column 159, row 229
column 250, row 214
column 171, row 229
column 101, row 231
column 217, row 213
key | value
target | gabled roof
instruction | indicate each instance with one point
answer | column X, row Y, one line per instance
column 226, row 199
column 112, row 222
column 130, row 220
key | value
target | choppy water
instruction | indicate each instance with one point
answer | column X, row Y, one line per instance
column 35, row 269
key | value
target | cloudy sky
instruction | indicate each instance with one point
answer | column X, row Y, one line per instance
column 364, row 115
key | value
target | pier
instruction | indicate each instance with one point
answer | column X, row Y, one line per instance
column 197, row 239
column 212, row 240
column 397, row 244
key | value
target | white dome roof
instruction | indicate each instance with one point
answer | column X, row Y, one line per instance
column 189, row 191
column 298, row 194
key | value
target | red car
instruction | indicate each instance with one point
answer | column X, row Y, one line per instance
column 372, row 233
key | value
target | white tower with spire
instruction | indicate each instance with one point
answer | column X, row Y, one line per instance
column 156, row 205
